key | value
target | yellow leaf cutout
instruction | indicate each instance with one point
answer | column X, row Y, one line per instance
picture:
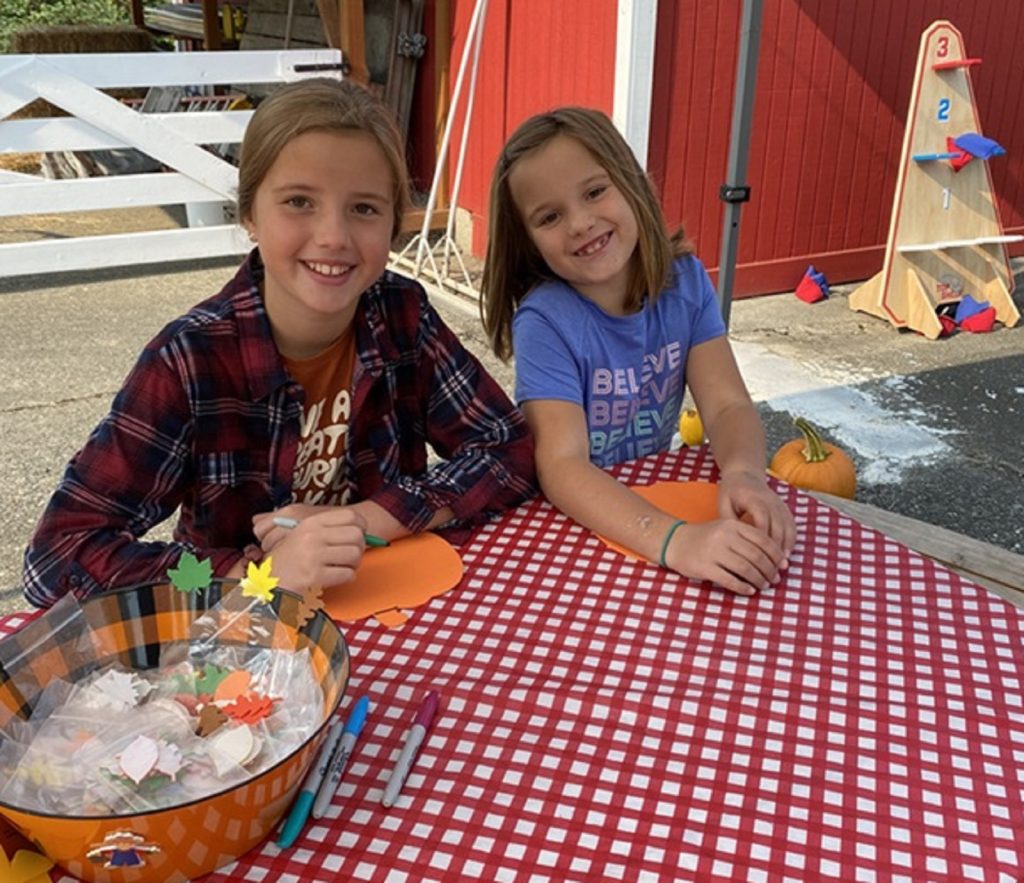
column 258, row 582
column 27, row 867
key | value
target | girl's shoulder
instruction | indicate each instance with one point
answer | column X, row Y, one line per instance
column 555, row 299
column 236, row 308
column 688, row 283
column 396, row 320
column 687, row 269
column 397, row 301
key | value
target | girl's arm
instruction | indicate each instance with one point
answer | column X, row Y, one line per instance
column 737, row 441
column 729, row 552
column 484, row 462
column 131, row 474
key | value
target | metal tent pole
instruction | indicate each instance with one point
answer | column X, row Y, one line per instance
column 734, row 192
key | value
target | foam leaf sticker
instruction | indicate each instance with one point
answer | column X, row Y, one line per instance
column 191, row 574
column 120, row 689
column 312, row 600
column 211, row 719
column 233, row 748
column 233, row 686
column 25, row 867
column 258, row 582
column 210, row 679
column 170, row 760
column 249, row 709
column 139, row 758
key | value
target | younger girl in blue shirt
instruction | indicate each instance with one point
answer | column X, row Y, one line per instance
column 609, row 317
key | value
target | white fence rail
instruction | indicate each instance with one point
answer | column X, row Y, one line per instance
column 100, row 122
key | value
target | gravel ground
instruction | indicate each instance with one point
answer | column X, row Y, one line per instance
column 933, row 426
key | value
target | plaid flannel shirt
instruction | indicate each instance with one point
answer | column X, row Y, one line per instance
column 208, row 421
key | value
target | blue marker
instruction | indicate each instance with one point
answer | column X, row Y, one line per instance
column 300, row 809
column 340, row 760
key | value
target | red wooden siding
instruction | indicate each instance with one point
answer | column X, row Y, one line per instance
column 536, row 55
column 833, row 87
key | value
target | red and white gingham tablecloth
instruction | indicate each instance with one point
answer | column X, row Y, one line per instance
column 604, row 720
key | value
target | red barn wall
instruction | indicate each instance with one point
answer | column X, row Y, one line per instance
column 833, row 85
column 536, row 55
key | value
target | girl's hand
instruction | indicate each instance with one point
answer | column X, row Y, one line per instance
column 324, row 549
column 268, row 534
column 735, row 555
column 746, row 496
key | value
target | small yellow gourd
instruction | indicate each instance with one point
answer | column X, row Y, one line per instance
column 815, row 465
column 691, row 429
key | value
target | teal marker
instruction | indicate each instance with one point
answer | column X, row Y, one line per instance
column 304, row 802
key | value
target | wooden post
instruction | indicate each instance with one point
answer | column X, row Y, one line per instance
column 138, row 16
column 353, row 40
column 442, row 70
column 330, row 18
column 211, row 26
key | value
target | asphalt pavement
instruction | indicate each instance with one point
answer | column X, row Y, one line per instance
column 934, row 427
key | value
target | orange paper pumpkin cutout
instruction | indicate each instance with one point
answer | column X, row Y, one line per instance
column 693, row 501
column 405, row 574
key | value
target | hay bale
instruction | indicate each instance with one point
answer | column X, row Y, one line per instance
column 62, row 39
column 59, row 39
column 80, row 38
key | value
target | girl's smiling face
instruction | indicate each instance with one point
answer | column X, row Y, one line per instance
column 577, row 219
column 322, row 218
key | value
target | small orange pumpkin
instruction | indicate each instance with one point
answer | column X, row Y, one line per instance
column 815, row 465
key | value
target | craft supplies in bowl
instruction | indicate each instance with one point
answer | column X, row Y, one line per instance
column 156, row 734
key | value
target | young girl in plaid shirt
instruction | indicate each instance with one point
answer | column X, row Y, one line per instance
column 309, row 387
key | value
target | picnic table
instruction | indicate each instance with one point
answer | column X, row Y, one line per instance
column 604, row 719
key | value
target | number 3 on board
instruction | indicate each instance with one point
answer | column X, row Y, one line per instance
column 943, row 49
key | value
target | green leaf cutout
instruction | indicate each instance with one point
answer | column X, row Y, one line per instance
column 191, row 574
column 211, row 677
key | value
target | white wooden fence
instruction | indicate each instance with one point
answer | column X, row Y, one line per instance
column 100, row 122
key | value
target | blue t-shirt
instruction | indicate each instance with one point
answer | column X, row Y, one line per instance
column 626, row 372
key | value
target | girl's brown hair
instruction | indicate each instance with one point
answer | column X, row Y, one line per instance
column 319, row 104
column 514, row 266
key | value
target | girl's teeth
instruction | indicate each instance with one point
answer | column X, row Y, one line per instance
column 327, row 269
column 596, row 246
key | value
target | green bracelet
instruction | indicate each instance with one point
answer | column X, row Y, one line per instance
column 668, row 539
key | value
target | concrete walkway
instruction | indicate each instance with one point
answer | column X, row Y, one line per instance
column 935, row 427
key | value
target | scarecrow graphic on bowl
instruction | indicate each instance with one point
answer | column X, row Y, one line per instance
column 120, row 849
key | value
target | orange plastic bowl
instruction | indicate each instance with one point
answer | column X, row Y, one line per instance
column 190, row 840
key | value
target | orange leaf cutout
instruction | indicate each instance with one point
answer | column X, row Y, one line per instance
column 312, row 600
column 234, row 685
column 249, row 709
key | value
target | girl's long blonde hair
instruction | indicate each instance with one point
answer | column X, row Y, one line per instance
column 514, row 266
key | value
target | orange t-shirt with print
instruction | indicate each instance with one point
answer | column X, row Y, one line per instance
column 320, row 475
